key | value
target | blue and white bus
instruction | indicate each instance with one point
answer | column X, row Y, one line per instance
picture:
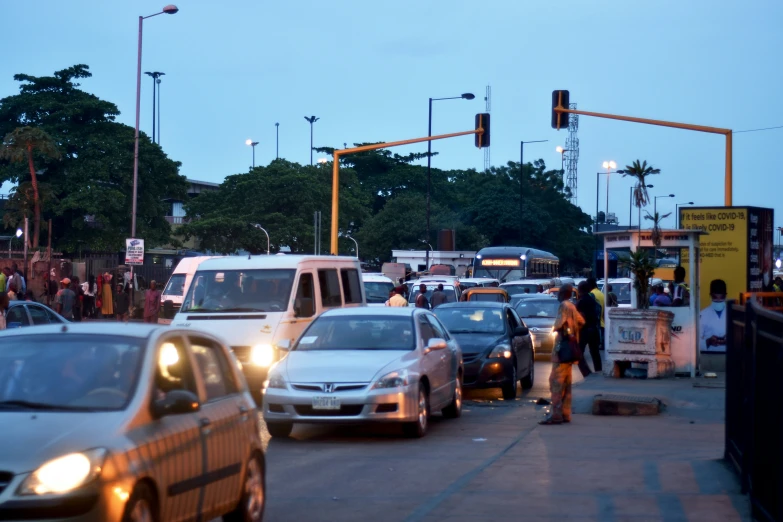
column 508, row 263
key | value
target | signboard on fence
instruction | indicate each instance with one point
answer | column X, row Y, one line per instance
column 134, row 251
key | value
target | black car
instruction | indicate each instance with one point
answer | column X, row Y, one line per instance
column 497, row 350
column 29, row 313
column 539, row 315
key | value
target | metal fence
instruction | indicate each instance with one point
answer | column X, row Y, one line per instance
column 754, row 388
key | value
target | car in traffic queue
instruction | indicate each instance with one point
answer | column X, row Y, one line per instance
column 21, row 314
column 531, row 285
column 497, row 348
column 472, row 282
column 449, row 288
column 126, row 422
column 174, row 292
column 377, row 288
column 253, row 302
column 366, row 365
column 495, row 295
column 539, row 314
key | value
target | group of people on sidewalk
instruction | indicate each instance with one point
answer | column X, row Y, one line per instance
column 93, row 299
column 579, row 326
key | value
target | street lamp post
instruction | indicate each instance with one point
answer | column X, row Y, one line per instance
column 155, row 82
column 355, row 243
column 464, row 96
column 524, row 266
column 608, row 165
column 427, row 255
column 169, row 9
column 259, row 227
column 252, row 144
column 655, row 204
column 521, row 166
column 630, row 208
column 277, row 141
column 677, row 212
column 311, row 119
column 562, row 152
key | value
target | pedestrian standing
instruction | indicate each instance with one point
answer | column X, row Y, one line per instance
column 421, row 298
column 76, row 288
column 397, row 299
column 121, row 304
column 107, row 306
column 681, row 296
column 589, row 334
column 3, row 281
column 599, row 297
column 567, row 324
column 6, row 279
column 4, row 301
column 65, row 299
column 152, row 303
column 438, row 297
column 611, row 297
column 90, row 290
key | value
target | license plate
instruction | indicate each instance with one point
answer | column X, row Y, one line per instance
column 326, row 403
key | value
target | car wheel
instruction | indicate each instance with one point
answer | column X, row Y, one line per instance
column 510, row 389
column 527, row 382
column 454, row 410
column 141, row 506
column 280, row 429
column 253, row 500
column 418, row 428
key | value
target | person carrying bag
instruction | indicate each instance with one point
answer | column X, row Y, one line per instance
column 564, row 354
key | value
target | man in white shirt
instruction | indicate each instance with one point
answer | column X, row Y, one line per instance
column 713, row 320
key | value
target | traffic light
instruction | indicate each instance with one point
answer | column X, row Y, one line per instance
column 482, row 122
column 559, row 119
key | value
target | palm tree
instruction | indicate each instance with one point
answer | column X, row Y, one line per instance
column 18, row 147
column 643, row 269
column 656, row 230
column 639, row 171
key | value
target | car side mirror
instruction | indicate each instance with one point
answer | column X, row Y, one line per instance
column 521, row 330
column 176, row 402
column 283, row 344
column 437, row 344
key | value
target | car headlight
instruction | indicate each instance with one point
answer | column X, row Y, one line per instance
column 554, row 332
column 262, row 355
column 395, row 379
column 501, row 350
column 64, row 474
column 276, row 381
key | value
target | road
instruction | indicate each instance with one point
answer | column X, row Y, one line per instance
column 373, row 473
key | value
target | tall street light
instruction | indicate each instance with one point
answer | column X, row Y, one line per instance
column 608, row 165
column 427, row 258
column 464, row 96
column 521, row 195
column 560, row 150
column 259, row 227
column 355, row 243
column 655, row 203
column 169, row 9
column 311, row 119
column 630, row 208
column 155, row 82
column 677, row 212
column 252, row 144
column 277, row 141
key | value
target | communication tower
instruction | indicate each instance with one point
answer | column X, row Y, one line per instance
column 488, row 100
column 572, row 153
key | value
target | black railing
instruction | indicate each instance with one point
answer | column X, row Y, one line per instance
column 754, row 420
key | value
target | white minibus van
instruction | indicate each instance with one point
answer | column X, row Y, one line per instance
column 174, row 291
column 254, row 302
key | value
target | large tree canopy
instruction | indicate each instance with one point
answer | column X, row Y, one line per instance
column 88, row 192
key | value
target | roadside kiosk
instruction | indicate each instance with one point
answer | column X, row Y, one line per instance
column 639, row 336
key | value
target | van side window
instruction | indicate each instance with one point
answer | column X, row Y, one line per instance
column 304, row 305
column 352, row 289
column 330, row 288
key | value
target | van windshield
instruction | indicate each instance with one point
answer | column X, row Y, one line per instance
column 265, row 290
column 175, row 286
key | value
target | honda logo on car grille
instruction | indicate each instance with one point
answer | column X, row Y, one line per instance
column 328, row 388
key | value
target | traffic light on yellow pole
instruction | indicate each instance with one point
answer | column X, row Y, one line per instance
column 482, row 130
column 559, row 101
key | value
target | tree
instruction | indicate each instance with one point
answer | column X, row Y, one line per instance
column 643, row 268
column 18, row 147
column 639, row 171
column 91, row 186
column 656, row 230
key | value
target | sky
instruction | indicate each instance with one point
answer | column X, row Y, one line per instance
column 366, row 69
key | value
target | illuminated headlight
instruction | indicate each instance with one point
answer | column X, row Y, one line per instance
column 276, row 381
column 392, row 380
column 554, row 332
column 262, row 355
column 501, row 350
column 64, row 474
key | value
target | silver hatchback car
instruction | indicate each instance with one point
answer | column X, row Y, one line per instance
column 123, row 422
column 366, row 365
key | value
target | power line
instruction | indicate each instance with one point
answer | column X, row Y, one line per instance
column 756, row 130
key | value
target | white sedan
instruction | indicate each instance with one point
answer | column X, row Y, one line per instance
column 356, row 365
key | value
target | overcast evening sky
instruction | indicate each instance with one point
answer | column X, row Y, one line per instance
column 366, row 69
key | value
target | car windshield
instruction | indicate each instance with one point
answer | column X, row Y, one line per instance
column 538, row 308
column 622, row 291
column 365, row 332
column 175, row 286
column 377, row 292
column 492, row 298
column 472, row 320
column 68, row 371
column 265, row 290
column 519, row 288
column 448, row 290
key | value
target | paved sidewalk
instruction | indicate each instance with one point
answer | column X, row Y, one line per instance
column 665, row 467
